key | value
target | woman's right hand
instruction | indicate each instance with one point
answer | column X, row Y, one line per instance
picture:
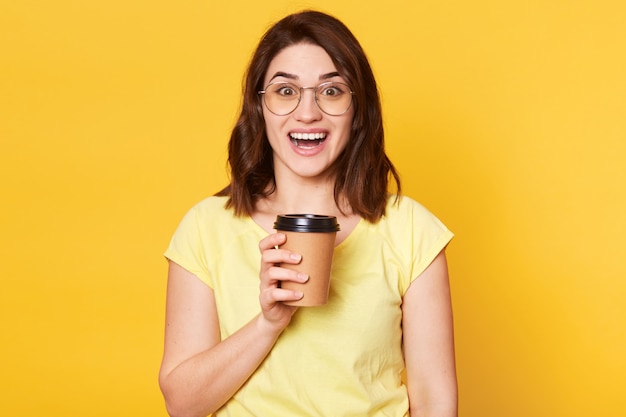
column 274, row 311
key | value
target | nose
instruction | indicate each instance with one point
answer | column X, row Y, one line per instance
column 307, row 110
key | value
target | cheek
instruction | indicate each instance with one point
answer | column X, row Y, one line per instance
column 273, row 130
column 270, row 122
column 346, row 128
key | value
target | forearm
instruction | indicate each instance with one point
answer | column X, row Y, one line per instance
column 203, row 383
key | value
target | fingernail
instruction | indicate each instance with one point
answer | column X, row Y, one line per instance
column 298, row 294
column 303, row 277
column 295, row 256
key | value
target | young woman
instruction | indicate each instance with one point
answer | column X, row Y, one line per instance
column 309, row 140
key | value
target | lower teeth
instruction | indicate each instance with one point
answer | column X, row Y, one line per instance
column 307, row 143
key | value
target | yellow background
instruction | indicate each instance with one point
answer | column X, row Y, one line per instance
column 506, row 118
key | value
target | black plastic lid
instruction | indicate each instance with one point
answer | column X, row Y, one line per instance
column 306, row 223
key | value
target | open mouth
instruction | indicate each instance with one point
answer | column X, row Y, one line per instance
column 307, row 140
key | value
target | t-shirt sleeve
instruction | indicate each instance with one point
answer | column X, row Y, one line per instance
column 430, row 237
column 186, row 247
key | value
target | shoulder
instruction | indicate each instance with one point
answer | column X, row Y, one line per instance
column 212, row 207
column 210, row 213
column 212, row 204
column 406, row 219
column 404, row 208
column 210, row 227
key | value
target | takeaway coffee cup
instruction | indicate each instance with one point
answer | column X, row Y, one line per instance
column 313, row 237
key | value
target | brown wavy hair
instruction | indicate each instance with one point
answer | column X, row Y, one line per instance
column 363, row 170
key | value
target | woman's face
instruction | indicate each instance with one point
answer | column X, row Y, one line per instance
column 306, row 142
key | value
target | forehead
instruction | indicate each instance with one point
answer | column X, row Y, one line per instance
column 302, row 61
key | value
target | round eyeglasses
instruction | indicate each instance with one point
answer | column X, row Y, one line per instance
column 333, row 98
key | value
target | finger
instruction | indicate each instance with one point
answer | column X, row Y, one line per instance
column 272, row 241
column 277, row 273
column 278, row 256
column 275, row 295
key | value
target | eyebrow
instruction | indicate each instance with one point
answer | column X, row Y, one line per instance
column 295, row 77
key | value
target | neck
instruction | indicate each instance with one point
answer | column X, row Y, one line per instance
column 304, row 198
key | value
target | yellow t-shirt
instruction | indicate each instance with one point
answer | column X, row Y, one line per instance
column 341, row 359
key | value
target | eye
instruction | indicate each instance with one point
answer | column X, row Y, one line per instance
column 286, row 90
column 332, row 90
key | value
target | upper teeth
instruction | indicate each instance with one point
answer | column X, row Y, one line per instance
column 307, row 136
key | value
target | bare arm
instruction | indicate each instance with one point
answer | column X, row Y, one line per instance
column 429, row 343
column 199, row 372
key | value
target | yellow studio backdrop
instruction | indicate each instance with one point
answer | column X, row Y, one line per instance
column 507, row 119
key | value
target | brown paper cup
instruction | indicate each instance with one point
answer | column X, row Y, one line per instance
column 313, row 237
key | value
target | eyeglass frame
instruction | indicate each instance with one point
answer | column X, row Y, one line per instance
column 301, row 90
